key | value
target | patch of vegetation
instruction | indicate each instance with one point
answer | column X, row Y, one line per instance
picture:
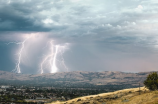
column 152, row 81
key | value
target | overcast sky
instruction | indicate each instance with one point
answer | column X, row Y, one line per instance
column 92, row 35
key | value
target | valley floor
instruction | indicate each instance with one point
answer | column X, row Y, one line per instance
column 126, row 96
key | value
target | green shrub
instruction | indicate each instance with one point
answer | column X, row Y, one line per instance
column 152, row 81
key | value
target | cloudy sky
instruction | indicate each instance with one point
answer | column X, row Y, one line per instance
column 44, row 36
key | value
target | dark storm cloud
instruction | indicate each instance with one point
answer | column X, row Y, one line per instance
column 14, row 18
column 76, row 16
column 24, row 16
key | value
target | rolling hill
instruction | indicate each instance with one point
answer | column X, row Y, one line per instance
column 77, row 77
column 126, row 96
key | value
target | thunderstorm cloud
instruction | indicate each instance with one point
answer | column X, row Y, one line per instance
column 93, row 35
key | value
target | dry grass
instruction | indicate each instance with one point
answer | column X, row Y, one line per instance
column 126, row 96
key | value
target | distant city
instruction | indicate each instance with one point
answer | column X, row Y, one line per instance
column 21, row 94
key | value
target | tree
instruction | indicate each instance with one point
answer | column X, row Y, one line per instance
column 152, row 81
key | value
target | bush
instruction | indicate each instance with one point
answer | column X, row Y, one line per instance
column 152, row 81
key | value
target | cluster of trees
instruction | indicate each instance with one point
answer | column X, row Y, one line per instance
column 151, row 81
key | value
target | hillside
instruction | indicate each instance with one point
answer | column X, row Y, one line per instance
column 126, row 96
column 78, row 77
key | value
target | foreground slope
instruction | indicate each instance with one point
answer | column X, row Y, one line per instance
column 126, row 96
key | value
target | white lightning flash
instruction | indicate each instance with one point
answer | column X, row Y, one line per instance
column 50, row 60
column 54, row 67
column 17, row 67
column 62, row 60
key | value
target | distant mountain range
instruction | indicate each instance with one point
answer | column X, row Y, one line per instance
column 76, row 78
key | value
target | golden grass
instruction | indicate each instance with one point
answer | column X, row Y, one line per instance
column 126, row 96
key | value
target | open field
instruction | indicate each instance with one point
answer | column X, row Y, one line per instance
column 126, row 96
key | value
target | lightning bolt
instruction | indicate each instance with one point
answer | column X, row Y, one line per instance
column 48, row 58
column 63, row 61
column 43, row 62
column 51, row 59
column 54, row 67
column 17, row 67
